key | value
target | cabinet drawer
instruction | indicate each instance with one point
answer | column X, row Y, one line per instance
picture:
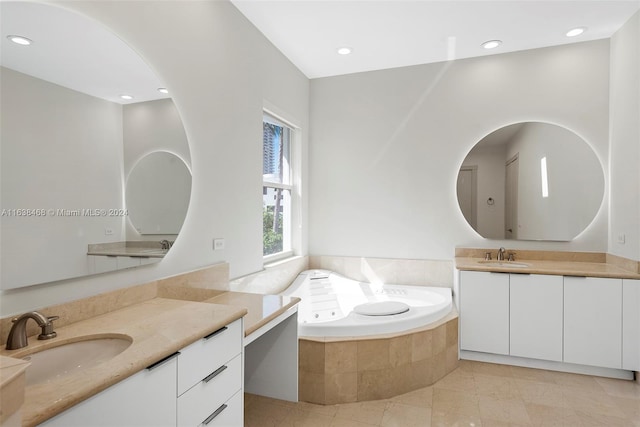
column 206, row 355
column 200, row 401
column 230, row 416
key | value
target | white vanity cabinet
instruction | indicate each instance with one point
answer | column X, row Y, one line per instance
column 144, row 399
column 536, row 305
column 210, row 379
column 484, row 312
column 202, row 384
column 593, row 321
column 631, row 324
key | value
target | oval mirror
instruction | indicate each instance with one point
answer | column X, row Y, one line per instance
column 157, row 193
column 69, row 138
column 530, row 181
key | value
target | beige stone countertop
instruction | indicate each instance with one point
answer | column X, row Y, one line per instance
column 11, row 385
column 564, row 268
column 261, row 309
column 129, row 251
column 157, row 328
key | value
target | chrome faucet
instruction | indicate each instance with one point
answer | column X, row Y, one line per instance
column 165, row 244
column 501, row 252
column 18, row 333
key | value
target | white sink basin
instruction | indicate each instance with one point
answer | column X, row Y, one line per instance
column 55, row 362
column 508, row 264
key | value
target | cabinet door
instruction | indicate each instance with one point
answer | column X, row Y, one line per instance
column 536, row 316
column 593, row 321
column 631, row 325
column 484, row 312
column 146, row 399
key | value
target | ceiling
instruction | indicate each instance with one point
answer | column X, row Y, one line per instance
column 74, row 51
column 397, row 33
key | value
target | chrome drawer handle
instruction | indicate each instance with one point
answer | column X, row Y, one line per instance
column 215, row 414
column 163, row 361
column 214, row 333
column 215, row 373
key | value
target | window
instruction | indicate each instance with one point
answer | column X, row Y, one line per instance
column 277, row 185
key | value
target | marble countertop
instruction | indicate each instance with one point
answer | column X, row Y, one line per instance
column 564, row 268
column 157, row 328
column 11, row 385
column 261, row 309
column 129, row 251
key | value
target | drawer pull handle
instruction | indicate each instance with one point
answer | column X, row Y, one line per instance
column 215, row 414
column 163, row 361
column 214, row 333
column 215, row 373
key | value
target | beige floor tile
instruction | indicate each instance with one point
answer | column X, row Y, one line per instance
column 497, row 387
column 549, row 416
column 300, row 418
column 592, row 403
column 262, row 413
column 449, row 401
column 541, row 393
column 630, row 407
column 531, row 374
column 491, row 369
column 584, row 382
column 454, row 419
column 365, row 412
column 328, row 410
column 422, row 398
column 487, row 422
column 466, row 366
column 593, row 420
column 620, row 388
column 504, row 410
column 399, row 415
column 341, row 422
column 458, row 381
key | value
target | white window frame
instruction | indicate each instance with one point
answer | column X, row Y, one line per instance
column 294, row 226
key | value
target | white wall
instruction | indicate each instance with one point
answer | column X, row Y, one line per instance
column 625, row 140
column 221, row 72
column 386, row 146
column 61, row 149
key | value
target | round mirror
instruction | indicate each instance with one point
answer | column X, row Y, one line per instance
column 530, row 181
column 157, row 193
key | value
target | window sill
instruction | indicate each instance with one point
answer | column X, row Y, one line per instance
column 279, row 258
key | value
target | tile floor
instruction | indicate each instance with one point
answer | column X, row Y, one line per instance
column 475, row 394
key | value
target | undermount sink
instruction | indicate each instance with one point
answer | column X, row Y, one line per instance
column 55, row 362
column 508, row 264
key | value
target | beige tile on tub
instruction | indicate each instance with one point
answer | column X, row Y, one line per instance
column 341, row 356
column 373, row 355
column 341, row 387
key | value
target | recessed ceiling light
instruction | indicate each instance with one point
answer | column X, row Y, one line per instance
column 127, row 97
column 491, row 44
column 344, row 50
column 576, row 32
column 163, row 90
column 23, row 41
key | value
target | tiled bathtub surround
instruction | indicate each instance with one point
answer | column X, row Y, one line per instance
column 353, row 370
column 389, row 271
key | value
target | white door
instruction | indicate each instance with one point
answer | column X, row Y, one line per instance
column 467, row 193
column 511, row 199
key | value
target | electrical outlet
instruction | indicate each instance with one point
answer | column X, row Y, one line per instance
column 108, row 231
column 621, row 238
column 218, row 244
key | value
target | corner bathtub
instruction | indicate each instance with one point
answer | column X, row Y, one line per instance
column 359, row 341
column 329, row 300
